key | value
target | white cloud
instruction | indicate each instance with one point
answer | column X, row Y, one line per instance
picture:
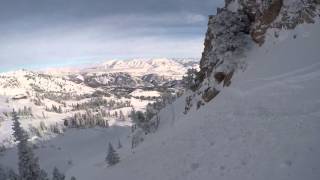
column 121, row 36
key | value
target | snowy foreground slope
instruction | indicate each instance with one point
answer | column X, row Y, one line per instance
column 265, row 126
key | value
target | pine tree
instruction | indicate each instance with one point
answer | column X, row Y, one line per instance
column 60, row 110
column 121, row 116
column 3, row 173
column 57, row 175
column 112, row 157
column 29, row 168
column 43, row 175
column 73, row 178
column 119, row 144
column 11, row 175
column 189, row 80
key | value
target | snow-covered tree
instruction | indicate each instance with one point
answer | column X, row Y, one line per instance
column 138, row 117
column 112, row 156
column 8, row 174
column 29, row 168
column 11, row 175
column 189, row 80
column 57, row 175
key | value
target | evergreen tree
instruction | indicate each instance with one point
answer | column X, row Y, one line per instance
column 60, row 110
column 3, row 173
column 73, row 178
column 112, row 157
column 119, row 144
column 189, row 80
column 29, row 168
column 43, row 175
column 57, row 175
column 8, row 174
column 11, row 175
column 121, row 116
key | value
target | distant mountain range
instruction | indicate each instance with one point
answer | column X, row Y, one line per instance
column 123, row 73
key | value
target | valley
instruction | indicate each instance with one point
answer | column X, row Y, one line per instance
column 49, row 102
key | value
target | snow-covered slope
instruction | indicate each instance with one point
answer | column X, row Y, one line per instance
column 265, row 126
column 28, row 82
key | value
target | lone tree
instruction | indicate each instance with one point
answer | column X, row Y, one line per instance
column 29, row 168
column 189, row 81
column 57, row 175
column 112, row 157
column 8, row 174
column 119, row 144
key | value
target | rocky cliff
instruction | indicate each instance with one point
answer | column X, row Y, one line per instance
column 237, row 26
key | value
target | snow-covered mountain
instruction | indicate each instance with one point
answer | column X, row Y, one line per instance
column 29, row 82
column 169, row 68
column 115, row 79
column 134, row 72
column 131, row 73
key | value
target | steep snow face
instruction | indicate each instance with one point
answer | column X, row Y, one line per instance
column 264, row 126
column 173, row 68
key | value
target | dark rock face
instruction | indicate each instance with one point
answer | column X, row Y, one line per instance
column 229, row 32
column 263, row 22
column 265, row 14
column 225, row 36
column 209, row 94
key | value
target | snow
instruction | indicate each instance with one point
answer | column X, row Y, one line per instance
column 65, row 150
column 234, row 6
column 140, row 92
column 23, row 82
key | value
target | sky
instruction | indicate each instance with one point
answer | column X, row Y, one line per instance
column 43, row 33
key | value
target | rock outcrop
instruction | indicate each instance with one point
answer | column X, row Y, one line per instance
column 230, row 33
column 265, row 14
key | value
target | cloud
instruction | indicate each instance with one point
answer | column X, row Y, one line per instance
column 53, row 32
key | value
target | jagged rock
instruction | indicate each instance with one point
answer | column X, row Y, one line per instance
column 209, row 94
column 219, row 76
column 263, row 22
column 296, row 12
column 265, row 14
column 224, row 37
column 228, row 33
column 199, row 104
column 227, row 79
